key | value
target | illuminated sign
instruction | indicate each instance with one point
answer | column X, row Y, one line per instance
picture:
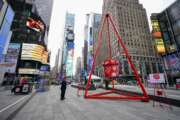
column 13, row 49
column 155, row 25
column 10, row 59
column 70, row 36
column 70, row 45
column 32, row 52
column 36, row 25
column 156, row 78
column 28, row 71
column 157, row 34
column 45, row 57
column 69, row 67
column 159, row 44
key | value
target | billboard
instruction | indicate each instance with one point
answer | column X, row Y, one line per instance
column 172, row 62
column 71, row 53
column 160, row 45
column 69, row 67
column 5, row 28
column 70, row 36
column 156, row 78
column 45, row 68
column 70, row 45
column 13, row 49
column 32, row 52
column 44, row 59
column 35, row 24
column 28, row 71
column 11, row 58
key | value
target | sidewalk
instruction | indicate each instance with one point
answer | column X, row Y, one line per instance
column 48, row 106
column 10, row 103
column 172, row 96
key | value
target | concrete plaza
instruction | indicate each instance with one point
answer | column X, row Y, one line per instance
column 47, row 106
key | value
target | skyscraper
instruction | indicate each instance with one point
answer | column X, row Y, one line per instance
column 167, row 26
column 131, row 21
column 28, row 31
column 91, row 29
column 44, row 9
column 68, row 45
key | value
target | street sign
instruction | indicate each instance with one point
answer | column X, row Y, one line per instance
column 156, row 78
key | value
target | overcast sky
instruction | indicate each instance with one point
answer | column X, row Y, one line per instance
column 80, row 8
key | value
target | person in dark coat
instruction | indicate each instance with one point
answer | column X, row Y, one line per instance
column 63, row 89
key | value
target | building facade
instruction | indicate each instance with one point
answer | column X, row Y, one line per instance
column 6, row 18
column 131, row 21
column 91, row 29
column 44, row 9
column 78, row 69
column 168, row 24
column 27, row 45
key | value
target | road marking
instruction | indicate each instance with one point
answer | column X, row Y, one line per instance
column 9, row 106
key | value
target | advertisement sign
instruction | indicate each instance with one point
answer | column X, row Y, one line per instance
column 71, row 53
column 35, row 24
column 172, row 62
column 70, row 36
column 156, row 78
column 90, row 62
column 28, row 71
column 157, row 34
column 44, row 68
column 13, row 49
column 69, row 67
column 160, row 45
column 10, row 59
column 33, row 52
column 70, row 45
column 45, row 57
column 5, row 29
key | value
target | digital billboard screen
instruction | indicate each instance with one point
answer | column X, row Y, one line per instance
column 44, row 57
column 9, row 15
column 28, row 71
column 32, row 52
column 13, row 49
column 5, row 28
column 70, row 45
column 35, row 24
column 45, row 68
column 172, row 62
column 160, row 45
column 11, row 58
column 70, row 36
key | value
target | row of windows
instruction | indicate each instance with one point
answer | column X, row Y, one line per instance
column 133, row 4
column 141, row 58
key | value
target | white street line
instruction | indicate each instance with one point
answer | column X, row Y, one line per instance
column 9, row 106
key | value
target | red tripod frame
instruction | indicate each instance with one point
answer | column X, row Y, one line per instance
column 107, row 19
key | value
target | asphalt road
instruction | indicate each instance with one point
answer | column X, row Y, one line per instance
column 47, row 106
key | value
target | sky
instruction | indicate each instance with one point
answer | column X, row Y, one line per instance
column 80, row 8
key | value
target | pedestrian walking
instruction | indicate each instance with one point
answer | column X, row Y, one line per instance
column 63, row 89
